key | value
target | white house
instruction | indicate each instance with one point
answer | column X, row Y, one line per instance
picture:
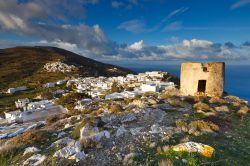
column 14, row 116
column 114, row 96
column 11, row 90
column 61, row 82
column 14, row 90
column 49, row 85
column 150, row 87
column 20, row 103
column 39, row 104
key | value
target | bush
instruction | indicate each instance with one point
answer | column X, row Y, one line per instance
column 114, row 108
column 115, row 87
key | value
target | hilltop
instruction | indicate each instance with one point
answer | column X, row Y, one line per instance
column 24, row 65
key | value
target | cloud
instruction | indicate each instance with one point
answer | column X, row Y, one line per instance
column 116, row 4
column 48, row 20
column 174, row 26
column 175, row 12
column 194, row 49
column 128, row 4
column 136, row 46
column 239, row 3
column 135, row 26
column 138, row 26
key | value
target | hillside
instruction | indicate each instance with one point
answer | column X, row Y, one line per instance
column 22, row 65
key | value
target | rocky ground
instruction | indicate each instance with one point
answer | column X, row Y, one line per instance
column 153, row 129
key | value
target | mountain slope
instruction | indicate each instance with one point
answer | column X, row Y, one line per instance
column 22, row 65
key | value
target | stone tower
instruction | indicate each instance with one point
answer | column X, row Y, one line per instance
column 202, row 79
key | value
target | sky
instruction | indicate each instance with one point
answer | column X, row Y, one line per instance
column 125, row 30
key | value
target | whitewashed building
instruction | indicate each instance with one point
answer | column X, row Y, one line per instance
column 21, row 103
column 150, row 87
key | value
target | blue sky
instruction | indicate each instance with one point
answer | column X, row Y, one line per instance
column 211, row 20
column 131, row 29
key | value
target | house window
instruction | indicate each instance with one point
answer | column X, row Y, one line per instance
column 202, row 86
column 205, row 69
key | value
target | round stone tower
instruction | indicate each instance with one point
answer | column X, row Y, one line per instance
column 202, row 79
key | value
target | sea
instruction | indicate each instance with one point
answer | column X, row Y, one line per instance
column 237, row 76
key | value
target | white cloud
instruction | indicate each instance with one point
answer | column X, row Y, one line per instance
column 239, row 3
column 116, row 4
column 133, row 26
column 196, row 43
column 136, row 46
column 187, row 49
column 174, row 26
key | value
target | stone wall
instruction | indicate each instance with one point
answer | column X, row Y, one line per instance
column 211, row 73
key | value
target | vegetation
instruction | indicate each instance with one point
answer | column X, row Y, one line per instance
column 70, row 99
column 115, row 87
column 114, row 108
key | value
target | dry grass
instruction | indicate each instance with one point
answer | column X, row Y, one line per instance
column 201, row 106
column 217, row 100
column 243, row 111
column 203, row 126
column 170, row 92
column 30, row 137
column 165, row 162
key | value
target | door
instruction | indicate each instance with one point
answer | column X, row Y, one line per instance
column 202, row 86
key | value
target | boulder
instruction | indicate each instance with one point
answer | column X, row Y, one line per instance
column 128, row 118
column 68, row 151
column 78, row 156
column 35, row 160
column 31, row 150
column 120, row 131
column 63, row 141
column 204, row 150
column 136, row 130
column 92, row 133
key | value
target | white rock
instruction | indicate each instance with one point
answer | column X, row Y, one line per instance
column 65, row 152
column 120, row 131
column 155, row 128
column 78, row 156
column 128, row 118
column 31, row 150
column 69, row 150
column 136, row 130
column 35, row 160
column 61, row 134
column 102, row 134
column 63, row 141
column 93, row 132
column 67, row 126
column 108, row 118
